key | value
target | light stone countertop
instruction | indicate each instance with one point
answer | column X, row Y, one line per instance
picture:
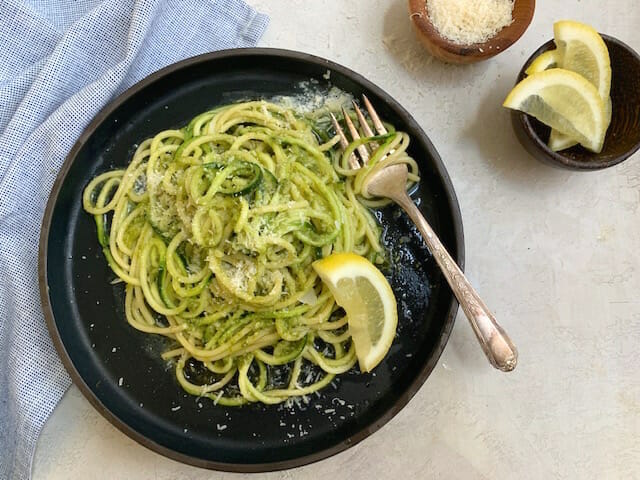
column 555, row 254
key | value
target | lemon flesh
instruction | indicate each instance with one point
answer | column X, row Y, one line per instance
column 366, row 296
column 565, row 101
column 558, row 141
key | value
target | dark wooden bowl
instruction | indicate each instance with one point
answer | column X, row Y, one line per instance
column 623, row 136
column 447, row 51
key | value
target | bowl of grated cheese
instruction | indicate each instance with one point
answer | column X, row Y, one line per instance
column 468, row 31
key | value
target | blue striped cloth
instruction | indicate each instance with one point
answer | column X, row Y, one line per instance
column 61, row 61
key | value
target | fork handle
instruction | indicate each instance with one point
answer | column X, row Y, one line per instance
column 495, row 342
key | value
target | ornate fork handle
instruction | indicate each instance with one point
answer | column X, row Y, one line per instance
column 495, row 343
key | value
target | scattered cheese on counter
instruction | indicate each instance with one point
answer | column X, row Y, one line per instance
column 466, row 22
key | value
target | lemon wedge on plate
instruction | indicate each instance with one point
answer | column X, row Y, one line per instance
column 366, row 296
column 565, row 101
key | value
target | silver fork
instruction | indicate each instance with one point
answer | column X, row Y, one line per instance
column 390, row 182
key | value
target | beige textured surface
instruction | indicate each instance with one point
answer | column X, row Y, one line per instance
column 554, row 253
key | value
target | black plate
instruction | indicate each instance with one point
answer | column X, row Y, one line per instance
column 85, row 313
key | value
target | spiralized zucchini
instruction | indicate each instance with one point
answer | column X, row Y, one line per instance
column 213, row 229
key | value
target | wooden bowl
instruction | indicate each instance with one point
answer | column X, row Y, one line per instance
column 451, row 52
column 623, row 135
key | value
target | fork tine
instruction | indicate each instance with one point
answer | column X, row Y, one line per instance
column 380, row 128
column 365, row 126
column 362, row 150
column 363, row 121
column 344, row 143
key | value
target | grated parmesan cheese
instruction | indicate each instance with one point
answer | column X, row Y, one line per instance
column 240, row 275
column 465, row 22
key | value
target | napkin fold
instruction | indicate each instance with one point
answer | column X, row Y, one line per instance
column 61, row 61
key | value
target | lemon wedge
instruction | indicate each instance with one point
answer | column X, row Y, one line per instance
column 565, row 101
column 359, row 287
column 544, row 61
column 583, row 51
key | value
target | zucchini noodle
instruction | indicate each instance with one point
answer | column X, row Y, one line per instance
column 213, row 229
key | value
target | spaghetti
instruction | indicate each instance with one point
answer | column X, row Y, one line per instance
column 213, row 229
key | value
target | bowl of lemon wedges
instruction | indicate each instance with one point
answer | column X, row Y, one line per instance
column 576, row 103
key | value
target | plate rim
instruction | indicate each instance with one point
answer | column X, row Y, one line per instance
column 43, row 283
